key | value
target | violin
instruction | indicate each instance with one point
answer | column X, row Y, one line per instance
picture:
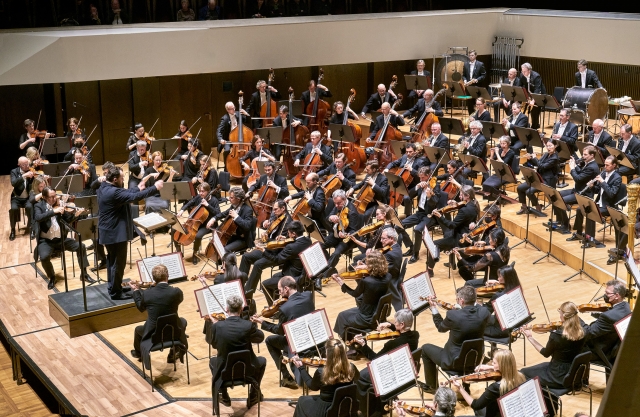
column 241, row 137
column 269, row 109
column 38, row 163
column 270, row 311
column 377, row 335
column 385, row 249
column 139, row 284
column 478, row 231
column 489, row 289
column 318, row 109
column 538, row 328
column 475, row 250
column 68, row 206
column 595, row 307
column 41, row 134
column 352, row 151
column 314, row 362
column 357, row 274
column 482, row 376
column 413, row 409
column 218, row 316
column 210, row 275
column 443, row 304
column 365, row 230
column 145, row 137
column 193, row 156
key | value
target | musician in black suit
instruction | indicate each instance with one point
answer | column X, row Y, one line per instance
column 601, row 336
column 30, row 138
column 314, row 146
column 297, row 305
column 421, row 105
column 242, row 215
column 88, row 176
column 388, row 114
column 191, row 161
column 344, row 173
column 475, row 144
column 308, row 96
column 519, row 119
column 159, row 300
column 229, row 122
column 465, row 324
column 513, row 80
column 436, row 140
column 532, row 82
column 585, row 77
column 48, row 213
column 547, row 167
column 115, row 227
column 379, row 185
column 581, row 175
column 138, row 163
column 473, row 73
column 21, row 181
column 420, row 71
column 412, row 161
column 630, row 145
column 377, row 99
column 258, row 99
column 389, row 237
column 566, row 131
column 273, row 180
column 600, row 138
column 231, row 335
column 289, row 259
column 284, row 120
column 315, row 197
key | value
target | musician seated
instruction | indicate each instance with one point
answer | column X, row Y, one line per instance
column 389, row 116
column 191, row 160
column 466, row 323
column 378, row 183
column 475, row 145
column 207, row 174
column 507, row 277
column 275, row 229
column 257, row 153
column 48, row 213
column 154, row 203
column 344, row 173
column 79, row 142
column 210, row 204
column 601, row 336
column 343, row 209
column 547, row 167
column 566, row 131
column 271, row 179
column 159, row 300
column 231, row 335
column 481, row 113
column 436, row 140
column 338, row 118
column 443, row 404
column 581, row 175
column 297, row 305
column 420, row 107
column 231, row 271
column 412, row 162
column 503, row 103
column 21, row 181
column 450, row 176
column 242, row 216
column 314, row 196
column 228, row 123
column 259, row 99
column 377, row 100
column 138, row 134
column 373, row 241
column 496, row 255
column 519, row 119
column 630, row 145
column 138, row 163
column 502, row 154
column 491, row 215
column 289, row 260
column 183, row 135
column 600, row 138
column 403, row 320
column 314, row 146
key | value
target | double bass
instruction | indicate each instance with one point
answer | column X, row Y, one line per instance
column 292, row 137
column 269, row 109
column 352, row 151
column 240, row 138
column 319, row 110
column 422, row 126
column 382, row 142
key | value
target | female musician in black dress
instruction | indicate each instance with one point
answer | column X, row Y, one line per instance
column 212, row 207
column 138, row 134
column 371, row 288
column 383, row 214
column 504, row 362
column 496, row 256
column 547, row 168
column 338, row 372
column 504, row 154
column 508, row 277
column 183, row 136
column 155, row 203
column 258, row 151
column 207, row 174
column 231, row 271
column 563, row 346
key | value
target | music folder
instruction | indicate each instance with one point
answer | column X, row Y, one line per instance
column 310, row 330
column 511, row 309
column 207, row 303
column 173, row 261
column 524, row 401
column 393, row 372
column 416, row 287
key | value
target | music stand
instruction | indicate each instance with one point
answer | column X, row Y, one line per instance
column 451, row 126
column 477, row 92
column 175, row 191
column 168, row 147
column 546, row 102
column 311, row 227
column 505, row 172
column 599, row 158
column 55, row 170
column 88, row 202
column 475, row 164
column 416, row 82
column 534, row 179
column 398, row 147
column 296, row 106
column 271, row 135
column 89, row 227
column 434, row 154
column 69, row 184
column 620, row 222
column 342, row 133
column 397, row 183
column 528, row 137
column 556, row 201
column 515, row 93
column 620, row 156
column 493, row 130
column 55, row 146
column 589, row 211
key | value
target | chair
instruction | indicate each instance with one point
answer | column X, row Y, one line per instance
column 57, row 253
column 416, row 355
column 604, row 362
column 621, row 194
column 238, row 371
column 382, row 312
column 508, row 341
column 345, row 402
column 225, row 185
column 469, row 357
column 401, row 275
column 576, row 380
column 167, row 335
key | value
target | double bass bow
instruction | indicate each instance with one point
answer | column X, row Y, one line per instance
column 319, row 109
column 268, row 110
column 240, row 138
column 353, row 151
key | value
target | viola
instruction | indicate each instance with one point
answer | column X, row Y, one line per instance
column 210, row 275
column 475, row 250
column 353, row 151
column 279, row 244
column 489, row 289
column 538, row 328
column 422, row 126
column 478, row 231
column 270, row 311
column 377, row 335
column 139, row 284
column 343, row 222
column 269, row 108
column 240, row 137
column 383, row 139
column 332, row 182
column 357, row 274
column 197, row 217
column 314, row 362
column 385, row 249
column 443, row 304
column 482, row 376
column 218, row 316
column 413, row 409
column 319, row 109
column 595, row 307
column 365, row 230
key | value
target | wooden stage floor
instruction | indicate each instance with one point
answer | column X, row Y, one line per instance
column 96, row 375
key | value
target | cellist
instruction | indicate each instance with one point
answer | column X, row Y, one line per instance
column 284, row 120
column 273, row 180
column 388, row 114
column 257, row 153
column 315, row 198
column 344, row 173
column 228, row 122
column 258, row 99
column 338, row 118
column 242, row 215
column 210, row 204
column 309, row 95
column 314, row 146
column 420, row 105
column 410, row 161
column 378, row 182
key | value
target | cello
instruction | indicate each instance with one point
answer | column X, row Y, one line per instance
column 352, row 151
column 422, row 126
column 269, row 109
column 197, row 216
column 395, row 199
column 364, row 197
column 267, row 196
column 225, row 231
column 240, row 138
column 383, row 139
column 292, row 137
column 312, row 163
column 319, row 110
column 332, row 182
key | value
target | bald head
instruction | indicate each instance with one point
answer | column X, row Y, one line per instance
column 382, row 89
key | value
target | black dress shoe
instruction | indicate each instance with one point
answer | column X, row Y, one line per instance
column 32, row 235
column 409, row 252
column 446, row 264
column 225, row 399
column 253, row 399
column 563, row 230
column 522, row 211
column 90, row 247
column 426, row 388
column 12, row 236
column 101, row 265
column 195, row 260
column 52, row 283
column 121, row 297
column 86, row 278
column 288, row 383
column 612, row 260
column 414, row 259
column 135, row 354
column 573, row 237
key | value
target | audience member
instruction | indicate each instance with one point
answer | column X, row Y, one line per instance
column 185, row 14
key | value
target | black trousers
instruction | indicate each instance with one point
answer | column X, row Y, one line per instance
column 235, row 244
column 139, row 331
column 202, row 232
column 535, row 117
column 47, row 246
column 14, row 213
column 339, row 248
column 214, row 364
column 525, row 191
column 418, row 221
column 277, row 346
column 116, row 262
column 446, row 243
column 561, row 215
column 133, row 182
column 260, row 263
column 431, row 357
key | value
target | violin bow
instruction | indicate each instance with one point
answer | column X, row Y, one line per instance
column 545, row 307
column 314, row 341
column 224, row 311
column 594, row 295
column 154, row 125
column 196, row 122
column 94, row 129
column 145, row 265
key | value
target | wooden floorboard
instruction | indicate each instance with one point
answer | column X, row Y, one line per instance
column 204, row 408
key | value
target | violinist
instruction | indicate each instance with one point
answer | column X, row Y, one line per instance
column 337, row 372
column 284, row 120
column 377, row 100
column 314, row 194
column 297, row 305
column 48, row 213
column 154, row 203
column 427, row 202
column 338, row 118
column 35, row 194
column 191, row 160
column 32, row 137
column 496, row 256
column 33, row 156
column 563, row 346
column 273, row 180
column 183, row 136
column 207, row 174
column 314, row 146
column 374, row 241
column 504, row 362
column 309, row 95
column 412, row 161
column 138, row 135
column 444, row 403
column 462, row 324
column 138, row 163
column 289, row 260
column 73, row 133
column 258, row 257
column 258, row 99
column 420, row 106
column 344, row 173
column 378, row 183
column 601, row 336
column 232, row 335
column 518, row 119
column 420, row 70
column 492, row 214
column 21, row 181
column 212, row 207
column 503, row 154
column 547, row 167
column 229, row 122
column 454, row 229
column 231, row 270
column 508, row 277
column 403, row 320
column 82, row 166
column 242, row 215
column 388, row 114
column 79, row 142
column 481, row 113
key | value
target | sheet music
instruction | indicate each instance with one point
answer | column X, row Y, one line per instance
column 313, row 259
column 416, row 287
column 299, row 331
column 207, row 303
column 150, row 221
column 526, row 400
column 210, row 300
column 382, row 373
column 428, row 242
column 511, row 308
column 392, row 371
column 217, row 243
column 622, row 325
column 173, row 261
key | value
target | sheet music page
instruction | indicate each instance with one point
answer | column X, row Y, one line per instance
column 428, row 242
column 383, row 374
column 416, row 287
column 511, row 405
column 318, row 327
column 217, row 243
column 145, row 266
column 232, row 288
column 402, row 367
column 314, row 259
column 298, row 334
column 149, row 220
column 174, row 264
column 511, row 308
column 212, row 305
column 622, row 325
column 531, row 398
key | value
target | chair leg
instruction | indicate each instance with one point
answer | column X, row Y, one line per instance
column 188, row 377
column 151, row 373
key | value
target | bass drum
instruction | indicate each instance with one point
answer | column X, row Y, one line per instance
column 593, row 102
column 450, row 66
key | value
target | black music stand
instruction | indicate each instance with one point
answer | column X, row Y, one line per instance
column 434, row 154
column 619, row 155
column 311, row 227
column 55, row 170
column 69, row 184
column 505, row 172
column 89, row 227
column 397, row 183
column 451, row 126
column 475, row 164
column 546, row 102
column 589, row 211
column 514, row 93
column 56, row 146
column 620, row 222
column 296, row 106
column 493, row 130
column 271, row 135
column 175, row 191
column 168, row 147
column 477, row 92
column 564, row 153
column 599, row 158
column 88, row 202
column 556, row 201
column 417, row 82
column 342, row 133
column 398, row 147
column 533, row 178
column 528, row 137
